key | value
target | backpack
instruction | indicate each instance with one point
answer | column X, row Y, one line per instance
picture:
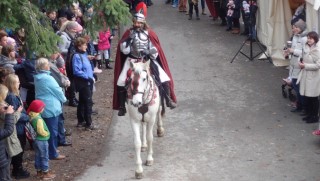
column 71, row 52
column 30, row 132
column 69, row 67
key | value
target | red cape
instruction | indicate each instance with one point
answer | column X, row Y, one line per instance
column 120, row 59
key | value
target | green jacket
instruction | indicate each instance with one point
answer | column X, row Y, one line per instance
column 40, row 127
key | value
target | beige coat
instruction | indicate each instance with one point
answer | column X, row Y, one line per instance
column 309, row 77
column 13, row 143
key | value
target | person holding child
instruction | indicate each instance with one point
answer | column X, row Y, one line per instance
column 41, row 145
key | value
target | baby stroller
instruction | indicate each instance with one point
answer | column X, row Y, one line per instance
column 286, row 89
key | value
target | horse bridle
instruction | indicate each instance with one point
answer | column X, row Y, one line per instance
column 151, row 84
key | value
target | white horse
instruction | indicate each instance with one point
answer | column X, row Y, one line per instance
column 144, row 107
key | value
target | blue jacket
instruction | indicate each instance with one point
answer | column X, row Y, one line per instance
column 82, row 68
column 48, row 90
column 15, row 101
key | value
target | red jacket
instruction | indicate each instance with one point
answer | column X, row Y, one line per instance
column 103, row 42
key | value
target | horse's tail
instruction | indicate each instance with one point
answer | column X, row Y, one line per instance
column 163, row 110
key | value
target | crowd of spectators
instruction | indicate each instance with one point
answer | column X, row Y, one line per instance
column 44, row 85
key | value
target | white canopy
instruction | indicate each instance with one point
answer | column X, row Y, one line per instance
column 274, row 28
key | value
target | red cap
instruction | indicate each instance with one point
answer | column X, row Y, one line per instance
column 36, row 106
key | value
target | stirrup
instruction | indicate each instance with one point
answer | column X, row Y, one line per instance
column 171, row 104
column 122, row 111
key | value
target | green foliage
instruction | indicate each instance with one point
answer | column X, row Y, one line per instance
column 109, row 13
column 40, row 37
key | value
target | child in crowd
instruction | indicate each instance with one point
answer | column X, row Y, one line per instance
column 103, row 47
column 230, row 11
column 52, row 15
column 41, row 145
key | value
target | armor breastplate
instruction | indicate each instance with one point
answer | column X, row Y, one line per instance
column 140, row 42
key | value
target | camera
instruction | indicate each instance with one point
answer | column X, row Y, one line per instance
column 287, row 56
column 289, row 44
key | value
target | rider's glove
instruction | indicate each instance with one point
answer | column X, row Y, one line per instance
column 145, row 52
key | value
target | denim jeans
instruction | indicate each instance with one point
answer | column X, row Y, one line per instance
column 61, row 130
column 41, row 149
column 296, row 88
column 203, row 4
column 175, row 2
column 52, row 124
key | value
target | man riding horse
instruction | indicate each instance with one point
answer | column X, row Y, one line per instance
column 140, row 43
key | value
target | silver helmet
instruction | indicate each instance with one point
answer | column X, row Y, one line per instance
column 139, row 17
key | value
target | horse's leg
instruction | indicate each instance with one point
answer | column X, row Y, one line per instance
column 144, row 140
column 150, row 125
column 137, row 145
column 160, row 129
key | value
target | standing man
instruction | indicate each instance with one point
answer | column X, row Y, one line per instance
column 137, row 43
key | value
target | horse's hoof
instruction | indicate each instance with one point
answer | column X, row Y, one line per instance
column 160, row 132
column 138, row 175
column 149, row 162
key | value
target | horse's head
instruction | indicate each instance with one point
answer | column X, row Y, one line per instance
column 139, row 82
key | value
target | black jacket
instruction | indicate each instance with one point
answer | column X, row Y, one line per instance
column 6, row 131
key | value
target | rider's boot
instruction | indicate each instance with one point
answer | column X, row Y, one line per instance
column 169, row 102
column 122, row 100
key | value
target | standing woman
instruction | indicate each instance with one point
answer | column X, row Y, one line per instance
column 299, row 40
column 309, row 77
column 48, row 91
column 17, row 143
column 83, row 79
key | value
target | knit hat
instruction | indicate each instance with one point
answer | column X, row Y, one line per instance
column 300, row 24
column 36, row 106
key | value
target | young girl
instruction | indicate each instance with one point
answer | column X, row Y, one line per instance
column 12, row 82
column 103, row 47
column 41, row 145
